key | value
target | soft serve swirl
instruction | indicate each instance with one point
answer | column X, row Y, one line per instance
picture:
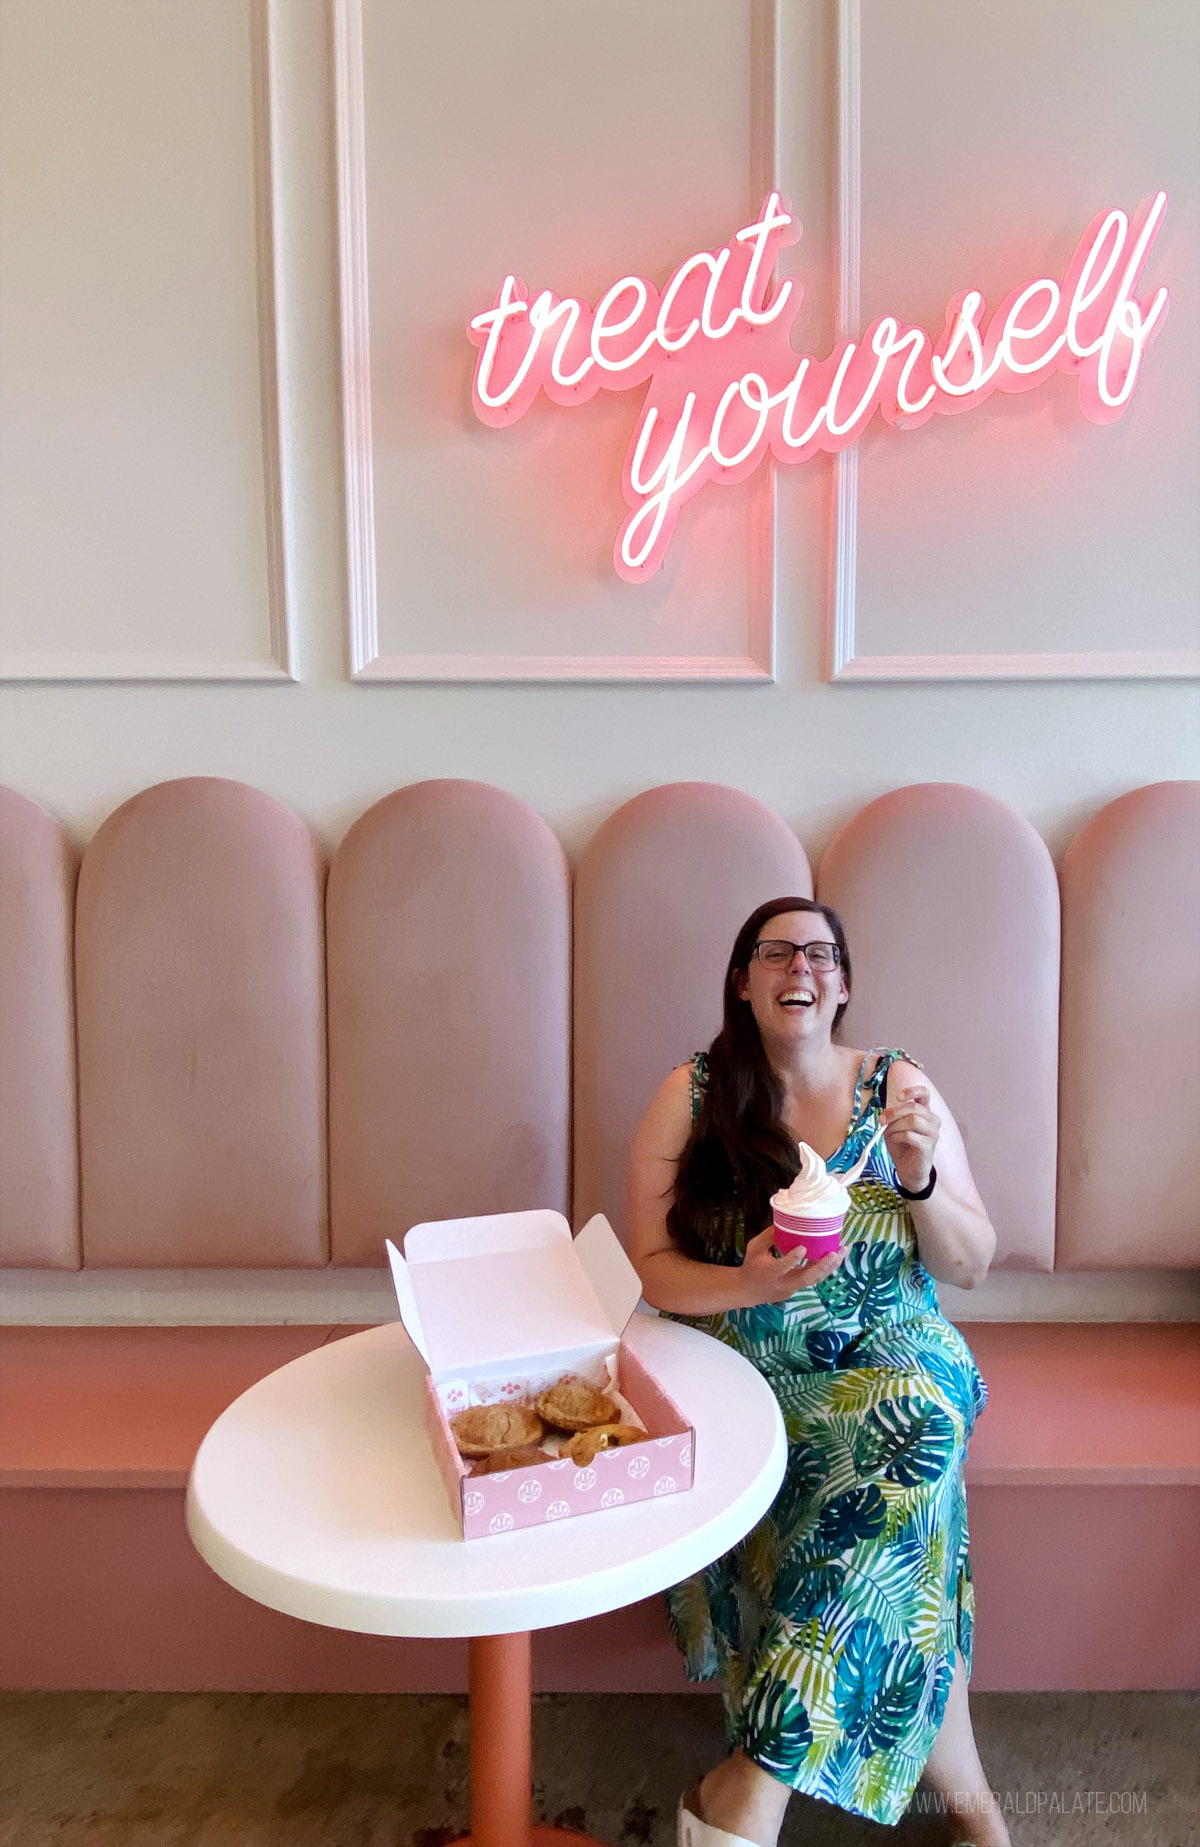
column 815, row 1193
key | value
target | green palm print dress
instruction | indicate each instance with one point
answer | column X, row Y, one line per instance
column 833, row 1625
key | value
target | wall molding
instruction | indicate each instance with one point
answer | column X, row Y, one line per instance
column 845, row 467
column 80, row 666
column 86, row 665
column 1181, row 665
column 844, row 663
column 356, row 340
column 365, row 660
column 263, row 29
column 498, row 668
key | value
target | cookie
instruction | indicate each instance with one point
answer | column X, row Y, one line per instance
column 486, row 1427
column 524, row 1456
column 572, row 1405
column 583, row 1447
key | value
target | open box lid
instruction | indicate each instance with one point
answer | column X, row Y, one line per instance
column 514, row 1286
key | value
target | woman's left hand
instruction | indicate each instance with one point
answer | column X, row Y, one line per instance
column 910, row 1135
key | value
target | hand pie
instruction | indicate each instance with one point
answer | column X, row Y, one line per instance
column 487, row 1427
column 572, row 1405
column 583, row 1447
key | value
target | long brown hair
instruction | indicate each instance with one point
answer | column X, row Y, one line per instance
column 739, row 1151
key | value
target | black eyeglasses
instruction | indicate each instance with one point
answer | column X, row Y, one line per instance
column 776, row 952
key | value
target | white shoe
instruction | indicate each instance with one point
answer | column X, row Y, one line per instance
column 692, row 1832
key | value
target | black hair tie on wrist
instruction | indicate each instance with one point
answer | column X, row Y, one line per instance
column 926, row 1190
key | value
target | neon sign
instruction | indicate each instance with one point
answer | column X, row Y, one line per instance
column 726, row 385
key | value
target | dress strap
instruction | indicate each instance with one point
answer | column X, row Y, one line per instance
column 699, row 1083
column 885, row 1058
column 856, row 1100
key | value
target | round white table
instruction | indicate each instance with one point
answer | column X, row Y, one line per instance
column 316, row 1493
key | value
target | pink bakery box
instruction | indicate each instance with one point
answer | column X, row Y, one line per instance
column 501, row 1307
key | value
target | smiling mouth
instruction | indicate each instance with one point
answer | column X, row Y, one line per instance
column 797, row 1002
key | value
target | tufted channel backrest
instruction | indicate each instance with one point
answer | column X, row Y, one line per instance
column 660, row 893
column 1128, row 1191
column 201, row 1022
column 951, row 910
column 39, row 1195
column 449, row 1001
column 193, row 1021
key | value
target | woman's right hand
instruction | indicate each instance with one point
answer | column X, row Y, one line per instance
column 768, row 1278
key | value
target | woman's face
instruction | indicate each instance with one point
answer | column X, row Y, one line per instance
column 794, row 1003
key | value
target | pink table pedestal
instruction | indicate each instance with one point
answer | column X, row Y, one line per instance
column 501, row 1765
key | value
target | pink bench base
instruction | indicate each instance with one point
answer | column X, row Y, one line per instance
column 1085, row 1524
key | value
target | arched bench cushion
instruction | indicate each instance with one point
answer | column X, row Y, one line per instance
column 1128, row 1194
column 449, row 985
column 951, row 910
column 39, row 1196
column 201, row 1032
column 660, row 892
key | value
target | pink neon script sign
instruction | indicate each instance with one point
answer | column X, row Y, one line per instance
column 726, row 384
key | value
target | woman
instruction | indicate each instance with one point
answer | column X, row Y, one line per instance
column 841, row 1626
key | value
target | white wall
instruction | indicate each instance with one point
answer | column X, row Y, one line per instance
column 815, row 751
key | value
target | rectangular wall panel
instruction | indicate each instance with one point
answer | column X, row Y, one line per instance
column 571, row 145
column 139, row 468
column 1018, row 539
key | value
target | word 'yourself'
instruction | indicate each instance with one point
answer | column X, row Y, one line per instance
column 726, row 385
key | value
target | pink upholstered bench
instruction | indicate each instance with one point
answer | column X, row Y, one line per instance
column 1085, row 1507
column 1084, row 1491
column 213, row 1061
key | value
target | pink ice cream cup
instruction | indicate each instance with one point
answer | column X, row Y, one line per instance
column 818, row 1237
column 809, row 1214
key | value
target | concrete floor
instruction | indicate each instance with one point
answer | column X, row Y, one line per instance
column 371, row 1770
